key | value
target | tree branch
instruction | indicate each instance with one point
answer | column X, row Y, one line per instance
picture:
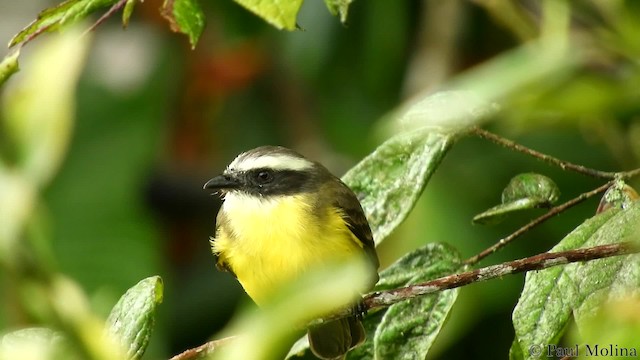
column 535, row 222
column 536, row 262
column 565, row 165
column 389, row 297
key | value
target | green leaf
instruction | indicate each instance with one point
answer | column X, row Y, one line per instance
column 132, row 318
column 531, row 186
column 339, row 7
column 407, row 329
column 545, row 303
column 128, row 10
column 524, row 191
column 9, row 66
column 551, row 296
column 39, row 109
column 53, row 18
column 185, row 16
column 390, row 180
column 279, row 13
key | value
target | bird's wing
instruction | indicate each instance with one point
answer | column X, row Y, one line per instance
column 357, row 223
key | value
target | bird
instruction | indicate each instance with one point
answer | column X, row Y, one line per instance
column 281, row 215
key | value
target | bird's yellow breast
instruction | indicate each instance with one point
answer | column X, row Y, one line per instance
column 269, row 241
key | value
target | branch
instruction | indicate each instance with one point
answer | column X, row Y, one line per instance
column 537, row 221
column 565, row 165
column 536, row 262
column 117, row 6
column 389, row 297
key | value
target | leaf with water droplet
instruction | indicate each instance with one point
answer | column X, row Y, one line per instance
column 524, row 191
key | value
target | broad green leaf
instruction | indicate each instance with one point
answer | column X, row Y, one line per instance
column 390, row 180
column 524, row 191
column 127, row 11
column 53, row 18
column 551, row 296
column 185, row 16
column 9, row 66
column 339, row 7
column 545, row 303
column 35, row 343
column 612, row 278
column 407, row 329
column 132, row 319
column 279, row 13
column 39, row 107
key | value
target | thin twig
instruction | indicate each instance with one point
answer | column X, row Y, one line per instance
column 565, row 165
column 535, row 222
column 389, row 297
column 203, row 350
column 115, row 7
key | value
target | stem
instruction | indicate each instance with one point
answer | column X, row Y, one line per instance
column 565, row 165
column 204, row 349
column 389, row 297
column 115, row 7
column 535, row 222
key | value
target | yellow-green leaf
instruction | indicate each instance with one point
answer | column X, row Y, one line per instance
column 186, row 17
column 280, row 13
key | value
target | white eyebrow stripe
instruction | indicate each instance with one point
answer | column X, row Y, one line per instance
column 276, row 162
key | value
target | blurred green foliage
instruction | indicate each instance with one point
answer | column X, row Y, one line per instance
column 154, row 119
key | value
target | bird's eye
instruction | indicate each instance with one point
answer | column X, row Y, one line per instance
column 264, row 176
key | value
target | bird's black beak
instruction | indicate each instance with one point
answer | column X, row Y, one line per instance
column 222, row 182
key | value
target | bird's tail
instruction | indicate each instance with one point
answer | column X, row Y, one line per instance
column 332, row 340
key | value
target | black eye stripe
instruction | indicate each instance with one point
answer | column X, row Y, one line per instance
column 278, row 182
